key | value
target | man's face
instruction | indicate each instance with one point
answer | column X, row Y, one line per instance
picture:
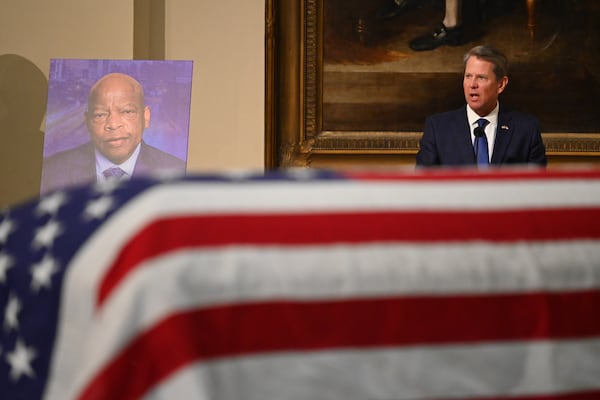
column 481, row 86
column 117, row 117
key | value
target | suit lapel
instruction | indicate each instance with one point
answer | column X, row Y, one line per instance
column 504, row 132
column 463, row 133
column 86, row 164
column 142, row 166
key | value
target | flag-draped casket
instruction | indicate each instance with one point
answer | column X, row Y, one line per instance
column 306, row 285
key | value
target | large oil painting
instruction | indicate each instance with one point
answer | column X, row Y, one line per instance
column 363, row 91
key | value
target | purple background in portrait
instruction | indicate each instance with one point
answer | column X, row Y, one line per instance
column 167, row 88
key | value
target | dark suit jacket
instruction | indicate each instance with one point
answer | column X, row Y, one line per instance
column 78, row 166
column 447, row 140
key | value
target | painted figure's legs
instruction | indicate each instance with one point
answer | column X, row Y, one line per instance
column 452, row 13
column 448, row 32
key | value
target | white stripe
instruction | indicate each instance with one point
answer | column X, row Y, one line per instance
column 191, row 279
column 419, row 373
column 186, row 197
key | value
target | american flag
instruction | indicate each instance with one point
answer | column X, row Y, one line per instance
column 306, row 285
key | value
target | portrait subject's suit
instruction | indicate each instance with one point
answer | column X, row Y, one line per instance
column 78, row 166
column 447, row 140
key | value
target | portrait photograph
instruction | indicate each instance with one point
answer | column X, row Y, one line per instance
column 133, row 113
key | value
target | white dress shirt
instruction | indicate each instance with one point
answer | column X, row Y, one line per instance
column 102, row 164
column 490, row 129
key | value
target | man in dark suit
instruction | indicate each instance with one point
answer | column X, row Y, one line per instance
column 116, row 117
column 482, row 132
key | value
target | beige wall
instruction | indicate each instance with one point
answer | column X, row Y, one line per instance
column 225, row 39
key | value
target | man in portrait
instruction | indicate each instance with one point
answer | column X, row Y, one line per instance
column 116, row 117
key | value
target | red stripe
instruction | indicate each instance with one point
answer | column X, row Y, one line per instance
column 166, row 235
column 587, row 395
column 501, row 174
column 245, row 329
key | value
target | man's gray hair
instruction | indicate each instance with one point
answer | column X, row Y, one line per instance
column 489, row 53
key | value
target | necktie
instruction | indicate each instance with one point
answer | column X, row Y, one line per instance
column 113, row 173
column 481, row 144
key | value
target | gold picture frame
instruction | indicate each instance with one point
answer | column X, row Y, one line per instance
column 294, row 105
